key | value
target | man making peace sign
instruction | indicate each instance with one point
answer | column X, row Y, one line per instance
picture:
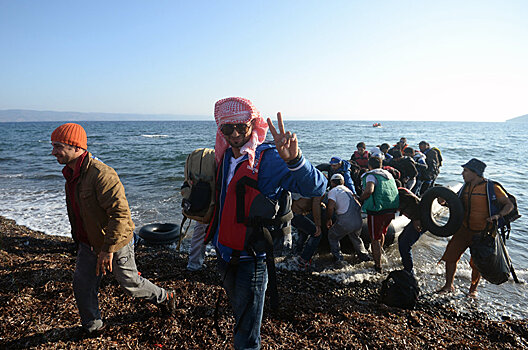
column 253, row 178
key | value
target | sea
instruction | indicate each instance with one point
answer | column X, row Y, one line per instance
column 149, row 157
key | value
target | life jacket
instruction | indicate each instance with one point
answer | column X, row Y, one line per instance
column 248, row 220
column 439, row 153
column 504, row 223
column 398, row 147
column 393, row 171
column 198, row 188
column 385, row 198
column 361, row 159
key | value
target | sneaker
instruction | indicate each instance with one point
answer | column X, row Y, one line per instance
column 340, row 264
column 364, row 257
column 94, row 333
column 171, row 301
column 301, row 263
column 193, row 268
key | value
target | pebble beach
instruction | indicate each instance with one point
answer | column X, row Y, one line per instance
column 38, row 309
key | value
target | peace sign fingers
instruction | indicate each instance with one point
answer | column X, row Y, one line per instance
column 273, row 131
column 286, row 142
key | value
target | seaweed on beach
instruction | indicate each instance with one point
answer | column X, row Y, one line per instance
column 38, row 309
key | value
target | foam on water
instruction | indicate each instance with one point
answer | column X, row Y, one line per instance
column 43, row 211
column 11, row 176
column 154, row 136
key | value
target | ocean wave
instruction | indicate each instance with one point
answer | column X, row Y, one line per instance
column 150, row 160
column 155, row 136
column 46, row 176
column 11, row 176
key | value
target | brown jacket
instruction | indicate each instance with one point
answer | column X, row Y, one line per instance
column 103, row 207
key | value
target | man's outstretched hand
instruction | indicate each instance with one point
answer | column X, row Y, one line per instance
column 285, row 141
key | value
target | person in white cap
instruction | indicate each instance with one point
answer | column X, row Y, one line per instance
column 346, row 222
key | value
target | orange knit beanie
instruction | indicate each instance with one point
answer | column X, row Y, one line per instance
column 70, row 134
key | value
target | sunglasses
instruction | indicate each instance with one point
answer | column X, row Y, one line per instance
column 227, row 129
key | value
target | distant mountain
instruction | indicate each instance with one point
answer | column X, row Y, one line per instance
column 521, row 119
column 25, row 115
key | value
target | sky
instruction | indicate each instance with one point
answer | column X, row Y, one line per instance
column 360, row 60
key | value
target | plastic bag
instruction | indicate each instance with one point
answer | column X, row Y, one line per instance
column 400, row 289
column 490, row 257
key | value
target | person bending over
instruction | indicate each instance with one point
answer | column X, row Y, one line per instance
column 380, row 201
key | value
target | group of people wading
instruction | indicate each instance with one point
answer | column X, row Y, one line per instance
column 253, row 179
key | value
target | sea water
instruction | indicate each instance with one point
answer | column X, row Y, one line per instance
column 149, row 157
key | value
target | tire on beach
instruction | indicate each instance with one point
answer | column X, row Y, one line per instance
column 159, row 234
column 456, row 211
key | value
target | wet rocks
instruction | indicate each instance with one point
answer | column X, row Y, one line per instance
column 38, row 309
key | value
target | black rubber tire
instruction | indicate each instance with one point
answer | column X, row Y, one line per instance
column 159, row 233
column 393, row 231
column 456, row 211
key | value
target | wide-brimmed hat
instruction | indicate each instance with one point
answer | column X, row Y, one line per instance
column 476, row 166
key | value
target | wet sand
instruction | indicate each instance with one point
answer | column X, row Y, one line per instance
column 38, row 309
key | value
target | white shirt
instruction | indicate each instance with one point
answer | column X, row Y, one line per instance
column 371, row 178
column 233, row 162
column 339, row 195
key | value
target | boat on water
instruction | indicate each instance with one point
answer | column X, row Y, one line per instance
column 376, row 125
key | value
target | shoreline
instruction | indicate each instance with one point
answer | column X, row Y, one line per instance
column 38, row 308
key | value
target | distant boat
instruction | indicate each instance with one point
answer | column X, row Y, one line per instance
column 376, row 125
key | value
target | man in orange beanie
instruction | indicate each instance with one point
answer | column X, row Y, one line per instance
column 101, row 226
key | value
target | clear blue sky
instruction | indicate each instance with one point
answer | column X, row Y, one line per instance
column 374, row 60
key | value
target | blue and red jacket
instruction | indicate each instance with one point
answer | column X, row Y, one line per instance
column 273, row 176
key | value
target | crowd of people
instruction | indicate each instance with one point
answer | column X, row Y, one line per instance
column 253, row 185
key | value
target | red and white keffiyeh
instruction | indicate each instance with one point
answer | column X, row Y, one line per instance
column 235, row 110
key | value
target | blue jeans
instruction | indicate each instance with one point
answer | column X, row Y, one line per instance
column 407, row 238
column 245, row 285
column 425, row 186
column 307, row 243
column 417, row 187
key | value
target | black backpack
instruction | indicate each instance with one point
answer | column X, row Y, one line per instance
column 505, row 222
column 400, row 289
